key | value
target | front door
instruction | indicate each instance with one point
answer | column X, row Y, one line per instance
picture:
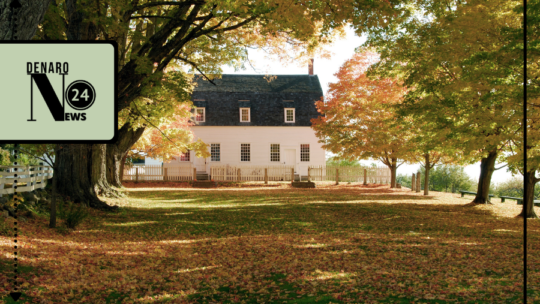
column 290, row 158
column 200, row 164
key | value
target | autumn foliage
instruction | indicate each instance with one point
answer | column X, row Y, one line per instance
column 357, row 119
column 170, row 138
column 339, row 244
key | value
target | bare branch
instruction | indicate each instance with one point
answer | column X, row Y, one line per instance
column 148, row 16
column 151, row 4
column 195, row 66
column 500, row 167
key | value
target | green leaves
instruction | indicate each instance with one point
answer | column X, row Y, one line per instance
column 464, row 84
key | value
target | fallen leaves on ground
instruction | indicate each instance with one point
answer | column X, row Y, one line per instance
column 339, row 244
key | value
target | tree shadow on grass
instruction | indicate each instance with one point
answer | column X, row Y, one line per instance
column 359, row 251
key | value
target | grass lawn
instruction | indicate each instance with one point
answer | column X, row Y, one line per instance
column 276, row 244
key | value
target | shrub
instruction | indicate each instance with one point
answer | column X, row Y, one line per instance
column 514, row 187
column 72, row 214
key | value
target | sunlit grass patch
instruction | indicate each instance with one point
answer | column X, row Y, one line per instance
column 130, row 223
column 339, row 244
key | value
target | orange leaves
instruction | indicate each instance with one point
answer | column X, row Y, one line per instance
column 358, row 114
column 350, row 242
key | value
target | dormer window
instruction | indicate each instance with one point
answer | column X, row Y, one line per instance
column 289, row 114
column 200, row 115
column 245, row 115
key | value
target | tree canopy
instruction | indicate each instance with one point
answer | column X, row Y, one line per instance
column 462, row 63
column 356, row 121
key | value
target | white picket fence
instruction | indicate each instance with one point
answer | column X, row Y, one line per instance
column 374, row 175
column 256, row 173
column 33, row 177
column 251, row 173
column 158, row 173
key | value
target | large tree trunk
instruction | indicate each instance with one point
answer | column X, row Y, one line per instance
column 393, row 169
column 74, row 173
column 122, row 164
column 528, row 198
column 116, row 153
column 114, row 162
column 99, row 172
column 19, row 20
column 81, row 168
column 79, row 27
column 426, row 175
column 487, row 167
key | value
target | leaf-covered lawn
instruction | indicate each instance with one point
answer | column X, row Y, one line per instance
column 276, row 244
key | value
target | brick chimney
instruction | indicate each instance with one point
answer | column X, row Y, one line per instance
column 310, row 66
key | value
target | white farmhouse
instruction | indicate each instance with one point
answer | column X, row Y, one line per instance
column 256, row 121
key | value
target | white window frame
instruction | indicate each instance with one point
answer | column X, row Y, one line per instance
column 184, row 155
column 278, row 153
column 293, row 115
column 203, row 114
column 219, row 152
column 249, row 155
column 308, row 153
column 249, row 114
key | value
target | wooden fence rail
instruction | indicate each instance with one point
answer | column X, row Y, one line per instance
column 28, row 178
column 251, row 173
column 158, row 173
column 374, row 175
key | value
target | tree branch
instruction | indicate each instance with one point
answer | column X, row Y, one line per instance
column 500, row 167
column 151, row 4
column 150, row 16
column 165, row 135
column 195, row 66
column 35, row 156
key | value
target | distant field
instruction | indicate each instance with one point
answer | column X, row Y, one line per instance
column 276, row 244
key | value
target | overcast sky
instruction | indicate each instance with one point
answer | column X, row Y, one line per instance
column 325, row 70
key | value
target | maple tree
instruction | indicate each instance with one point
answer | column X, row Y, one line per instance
column 516, row 156
column 425, row 147
column 357, row 117
column 464, row 77
column 201, row 34
column 170, row 138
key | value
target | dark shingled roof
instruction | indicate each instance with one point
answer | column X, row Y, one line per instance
column 266, row 99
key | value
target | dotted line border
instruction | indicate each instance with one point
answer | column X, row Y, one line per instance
column 16, row 200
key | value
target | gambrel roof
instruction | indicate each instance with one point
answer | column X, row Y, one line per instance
column 266, row 99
